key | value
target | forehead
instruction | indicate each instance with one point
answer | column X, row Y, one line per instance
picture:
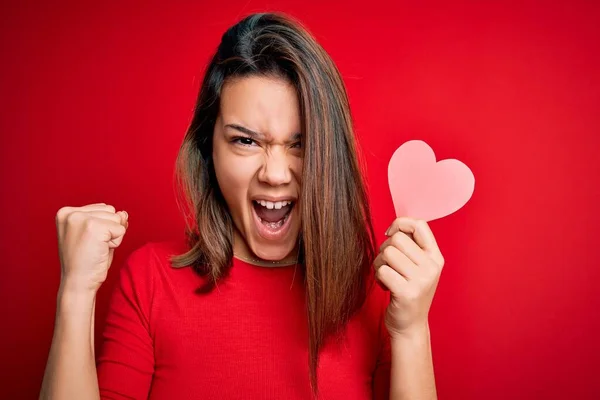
column 265, row 104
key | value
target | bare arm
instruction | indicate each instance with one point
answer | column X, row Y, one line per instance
column 87, row 237
column 409, row 265
column 71, row 368
column 412, row 375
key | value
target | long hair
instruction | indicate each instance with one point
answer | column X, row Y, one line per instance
column 337, row 242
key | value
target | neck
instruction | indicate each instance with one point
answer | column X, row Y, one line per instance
column 243, row 252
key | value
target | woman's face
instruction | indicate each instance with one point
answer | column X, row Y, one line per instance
column 258, row 164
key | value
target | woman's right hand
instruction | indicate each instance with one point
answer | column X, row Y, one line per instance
column 87, row 238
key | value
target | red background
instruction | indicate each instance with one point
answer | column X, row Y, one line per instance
column 95, row 100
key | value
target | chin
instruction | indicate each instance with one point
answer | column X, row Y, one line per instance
column 272, row 252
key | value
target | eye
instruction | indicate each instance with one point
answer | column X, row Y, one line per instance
column 297, row 145
column 243, row 140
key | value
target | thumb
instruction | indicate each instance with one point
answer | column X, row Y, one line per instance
column 117, row 233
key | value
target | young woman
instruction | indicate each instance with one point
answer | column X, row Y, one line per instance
column 271, row 294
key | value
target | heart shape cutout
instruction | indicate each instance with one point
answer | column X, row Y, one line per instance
column 422, row 188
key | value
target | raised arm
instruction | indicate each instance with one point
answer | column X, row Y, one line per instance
column 409, row 265
column 87, row 237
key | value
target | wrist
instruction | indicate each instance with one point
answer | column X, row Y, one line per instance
column 415, row 333
column 73, row 298
column 74, row 286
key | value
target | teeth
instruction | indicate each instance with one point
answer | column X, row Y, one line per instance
column 273, row 205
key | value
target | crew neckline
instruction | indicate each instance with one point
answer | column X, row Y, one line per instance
column 275, row 267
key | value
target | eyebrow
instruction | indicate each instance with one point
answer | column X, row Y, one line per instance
column 249, row 132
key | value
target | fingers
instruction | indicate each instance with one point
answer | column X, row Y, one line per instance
column 120, row 217
column 390, row 279
column 116, row 222
column 98, row 207
column 98, row 219
column 406, row 245
column 398, row 261
column 64, row 212
column 114, row 217
column 112, row 232
column 422, row 234
column 106, row 211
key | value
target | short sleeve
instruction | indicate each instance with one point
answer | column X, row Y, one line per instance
column 381, row 375
column 125, row 363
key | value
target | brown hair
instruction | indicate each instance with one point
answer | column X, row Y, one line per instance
column 337, row 242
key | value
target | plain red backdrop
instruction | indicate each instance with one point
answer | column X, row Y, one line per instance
column 95, row 99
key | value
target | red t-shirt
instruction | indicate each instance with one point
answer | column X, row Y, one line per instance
column 247, row 339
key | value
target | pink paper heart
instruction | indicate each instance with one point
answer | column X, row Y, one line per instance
column 422, row 188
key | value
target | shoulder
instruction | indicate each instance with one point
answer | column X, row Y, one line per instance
column 146, row 275
column 155, row 252
column 152, row 258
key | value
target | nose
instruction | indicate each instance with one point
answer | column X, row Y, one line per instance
column 275, row 170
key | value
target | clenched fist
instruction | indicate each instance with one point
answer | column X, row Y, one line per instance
column 87, row 238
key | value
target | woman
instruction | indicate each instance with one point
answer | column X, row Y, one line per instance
column 271, row 295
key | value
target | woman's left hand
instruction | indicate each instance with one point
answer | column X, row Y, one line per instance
column 409, row 266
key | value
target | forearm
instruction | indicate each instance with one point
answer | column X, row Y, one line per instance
column 412, row 375
column 71, row 368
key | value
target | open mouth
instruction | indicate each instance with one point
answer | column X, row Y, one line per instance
column 272, row 218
